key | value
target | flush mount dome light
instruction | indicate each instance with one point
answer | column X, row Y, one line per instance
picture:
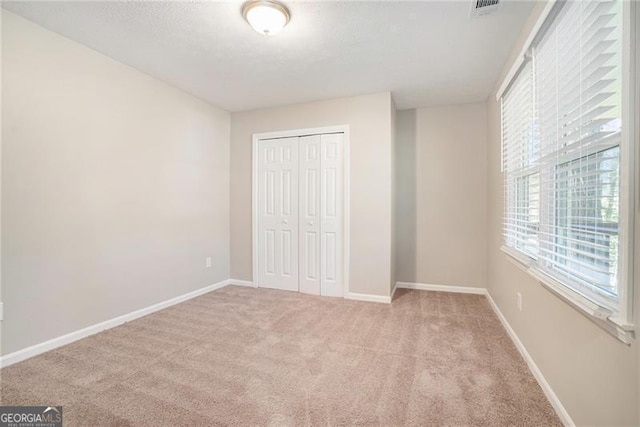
column 265, row 16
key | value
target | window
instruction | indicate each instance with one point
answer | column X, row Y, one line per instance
column 520, row 164
column 564, row 151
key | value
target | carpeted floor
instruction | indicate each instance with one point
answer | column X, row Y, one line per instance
column 244, row 356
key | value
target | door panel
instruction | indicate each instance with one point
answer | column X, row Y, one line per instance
column 331, row 207
column 309, row 214
column 278, row 214
column 300, row 206
column 269, row 251
column 285, row 256
column 270, row 192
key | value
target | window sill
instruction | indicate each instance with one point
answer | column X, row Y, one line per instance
column 594, row 312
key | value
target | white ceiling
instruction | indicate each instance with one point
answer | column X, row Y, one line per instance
column 425, row 53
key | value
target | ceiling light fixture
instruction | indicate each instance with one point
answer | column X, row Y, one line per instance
column 266, row 16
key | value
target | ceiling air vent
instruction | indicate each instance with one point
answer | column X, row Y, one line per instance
column 484, row 7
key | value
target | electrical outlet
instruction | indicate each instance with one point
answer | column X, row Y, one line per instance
column 519, row 301
column 207, row 262
column 1, row 311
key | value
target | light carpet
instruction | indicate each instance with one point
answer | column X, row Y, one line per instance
column 244, row 356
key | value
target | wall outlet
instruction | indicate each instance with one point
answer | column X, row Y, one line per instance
column 519, row 301
column 207, row 262
column 1, row 311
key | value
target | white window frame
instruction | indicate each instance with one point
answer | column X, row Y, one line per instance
column 622, row 325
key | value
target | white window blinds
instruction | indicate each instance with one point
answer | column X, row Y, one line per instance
column 520, row 165
column 561, row 136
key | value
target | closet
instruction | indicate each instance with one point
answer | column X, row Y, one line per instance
column 299, row 213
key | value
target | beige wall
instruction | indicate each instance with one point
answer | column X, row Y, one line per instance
column 441, row 195
column 637, row 228
column 115, row 187
column 594, row 375
column 394, row 178
column 637, row 224
column 370, row 179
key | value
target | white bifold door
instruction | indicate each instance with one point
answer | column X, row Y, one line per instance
column 300, row 214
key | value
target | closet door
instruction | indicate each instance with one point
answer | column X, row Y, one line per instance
column 309, row 153
column 331, row 208
column 278, row 214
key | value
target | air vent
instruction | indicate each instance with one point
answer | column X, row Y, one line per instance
column 484, row 7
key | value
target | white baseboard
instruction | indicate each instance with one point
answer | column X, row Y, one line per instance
column 546, row 388
column 368, row 297
column 238, row 282
column 349, row 295
column 51, row 344
column 442, row 288
column 393, row 291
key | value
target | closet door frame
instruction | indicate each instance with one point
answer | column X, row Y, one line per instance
column 344, row 129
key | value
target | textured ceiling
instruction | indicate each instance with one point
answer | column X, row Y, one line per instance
column 425, row 53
